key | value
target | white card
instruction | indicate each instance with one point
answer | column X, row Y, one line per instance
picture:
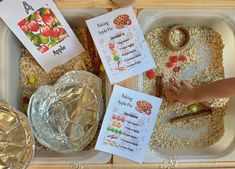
column 128, row 124
column 42, row 29
column 121, row 44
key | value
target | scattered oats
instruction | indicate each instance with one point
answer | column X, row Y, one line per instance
column 203, row 64
column 171, row 164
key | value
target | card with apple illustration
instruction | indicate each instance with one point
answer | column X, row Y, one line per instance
column 42, row 29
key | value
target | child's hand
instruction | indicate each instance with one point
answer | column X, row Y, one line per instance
column 180, row 92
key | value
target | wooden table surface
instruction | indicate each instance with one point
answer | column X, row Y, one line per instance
column 120, row 163
column 148, row 4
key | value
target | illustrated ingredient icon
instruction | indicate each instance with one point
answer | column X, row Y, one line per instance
column 122, row 20
column 116, row 58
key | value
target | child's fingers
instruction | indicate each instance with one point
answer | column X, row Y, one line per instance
column 174, row 89
column 186, row 83
column 172, row 80
column 175, row 83
column 169, row 95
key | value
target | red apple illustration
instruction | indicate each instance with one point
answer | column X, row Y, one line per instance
column 22, row 23
column 63, row 36
column 52, row 14
column 56, row 32
column 61, row 30
column 46, row 31
column 43, row 49
column 24, row 28
column 48, row 19
column 38, row 17
column 33, row 26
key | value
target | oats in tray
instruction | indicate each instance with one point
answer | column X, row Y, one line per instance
column 200, row 63
column 32, row 76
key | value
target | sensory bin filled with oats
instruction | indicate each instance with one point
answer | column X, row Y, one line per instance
column 32, row 76
column 201, row 62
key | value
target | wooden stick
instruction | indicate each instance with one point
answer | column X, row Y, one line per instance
column 200, row 113
column 94, row 56
column 159, row 86
column 91, row 49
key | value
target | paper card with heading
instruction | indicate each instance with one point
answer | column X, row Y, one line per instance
column 42, row 29
column 128, row 123
column 121, row 44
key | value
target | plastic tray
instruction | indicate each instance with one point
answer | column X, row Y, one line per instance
column 10, row 53
column 223, row 22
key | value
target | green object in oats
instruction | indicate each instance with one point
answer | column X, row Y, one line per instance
column 32, row 80
column 193, row 108
column 103, row 91
column 25, row 108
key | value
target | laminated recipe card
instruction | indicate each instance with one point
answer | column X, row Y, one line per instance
column 128, row 123
column 42, row 29
column 121, row 44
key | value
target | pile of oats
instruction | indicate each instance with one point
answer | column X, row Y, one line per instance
column 203, row 64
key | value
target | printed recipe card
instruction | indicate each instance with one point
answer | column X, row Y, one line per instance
column 121, row 44
column 42, row 29
column 128, row 123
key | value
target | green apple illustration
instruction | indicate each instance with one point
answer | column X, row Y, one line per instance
column 44, row 39
column 30, row 35
column 36, row 40
column 55, row 39
column 52, row 43
column 44, row 11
